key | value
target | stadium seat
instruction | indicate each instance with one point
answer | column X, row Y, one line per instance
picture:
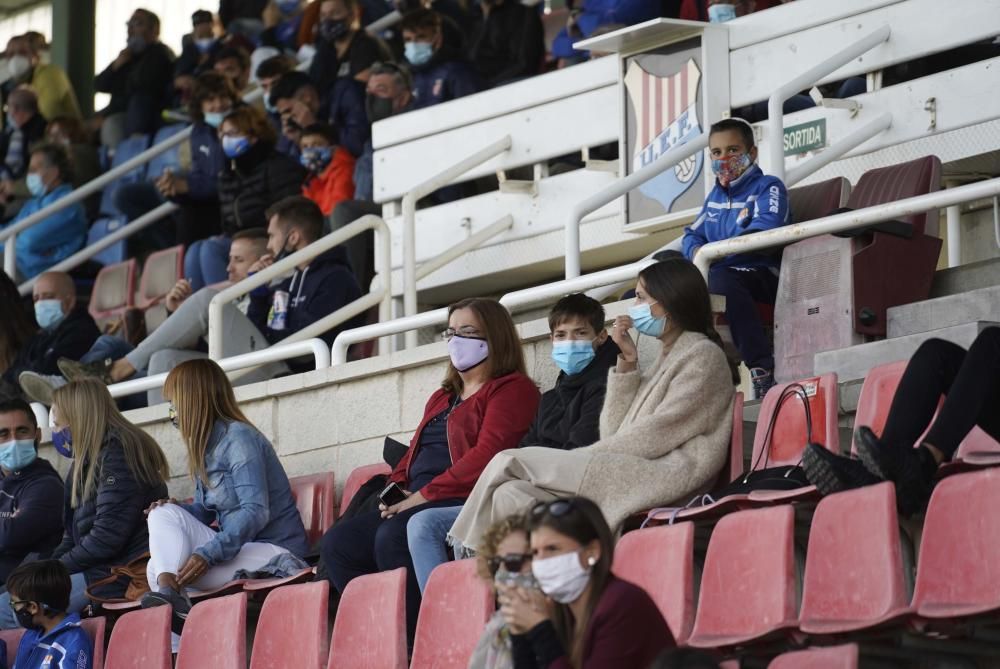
column 126, row 150
column 316, row 500
column 748, row 584
column 141, row 640
column 102, row 228
column 170, row 159
column 854, row 567
column 113, row 293
column 160, row 272
column 292, row 629
column 660, row 560
column 215, row 635
column 358, row 477
column 13, row 639
column 369, row 631
column 454, row 610
column 833, row 657
column 958, row 573
column 808, row 203
column 95, row 629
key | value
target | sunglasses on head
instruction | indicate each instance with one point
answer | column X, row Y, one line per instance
column 512, row 562
column 555, row 508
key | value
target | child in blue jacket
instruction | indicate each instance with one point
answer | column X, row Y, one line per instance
column 39, row 594
column 744, row 201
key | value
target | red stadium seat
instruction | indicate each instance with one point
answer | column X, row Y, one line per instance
column 316, row 500
column 854, row 567
column 834, row 657
column 660, row 560
column 358, row 477
column 958, row 573
column 141, row 640
column 291, row 631
column 160, row 272
column 113, row 292
column 369, row 631
column 748, row 581
column 13, row 639
column 95, row 629
column 215, row 635
column 455, row 608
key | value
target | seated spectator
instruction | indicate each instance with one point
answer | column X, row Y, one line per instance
column 71, row 134
column 31, row 491
column 254, row 177
column 240, row 487
column 298, row 102
column 242, row 17
column 484, row 406
column 282, row 18
column 267, row 74
column 970, row 383
column 233, row 63
column 60, row 235
column 138, row 80
column 66, row 330
column 594, row 13
column 49, row 82
column 510, row 43
column 25, row 128
column 503, row 558
column 567, row 415
column 581, row 614
column 439, row 73
column 664, row 432
column 743, row 201
column 458, row 23
column 16, row 327
column 40, row 595
column 331, row 168
column 117, row 472
column 198, row 51
column 343, row 49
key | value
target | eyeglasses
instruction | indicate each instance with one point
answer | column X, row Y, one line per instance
column 512, row 562
column 556, row 508
column 464, row 331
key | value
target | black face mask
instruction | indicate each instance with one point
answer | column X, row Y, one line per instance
column 24, row 619
column 378, row 108
column 330, row 30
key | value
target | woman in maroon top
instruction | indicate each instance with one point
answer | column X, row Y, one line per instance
column 583, row 617
column 485, row 405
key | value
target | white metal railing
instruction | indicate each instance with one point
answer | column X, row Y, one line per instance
column 851, row 220
column 409, row 207
column 280, row 352
column 775, row 119
column 473, row 241
column 286, row 265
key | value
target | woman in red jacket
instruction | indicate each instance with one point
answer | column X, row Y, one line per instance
column 485, row 405
column 582, row 616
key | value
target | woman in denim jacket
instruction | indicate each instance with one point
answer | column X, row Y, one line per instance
column 239, row 483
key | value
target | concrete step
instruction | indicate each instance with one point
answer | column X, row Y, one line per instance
column 854, row 362
column 943, row 312
column 961, row 279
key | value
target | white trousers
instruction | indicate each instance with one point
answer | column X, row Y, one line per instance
column 174, row 534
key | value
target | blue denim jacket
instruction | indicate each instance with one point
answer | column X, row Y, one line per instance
column 248, row 494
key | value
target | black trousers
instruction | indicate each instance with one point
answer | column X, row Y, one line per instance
column 970, row 382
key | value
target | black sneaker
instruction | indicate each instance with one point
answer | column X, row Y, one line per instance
column 762, row 380
column 832, row 473
column 911, row 469
column 179, row 602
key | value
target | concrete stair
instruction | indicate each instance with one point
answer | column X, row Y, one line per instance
column 945, row 312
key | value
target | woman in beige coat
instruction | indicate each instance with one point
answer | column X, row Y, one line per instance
column 664, row 431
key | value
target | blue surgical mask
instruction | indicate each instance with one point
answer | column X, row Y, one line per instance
column 215, row 119
column 34, row 183
column 234, row 147
column 645, row 322
column 204, row 45
column 62, row 441
column 418, row 53
column 48, row 313
column 720, row 13
column 315, row 159
column 574, row 355
column 18, row 454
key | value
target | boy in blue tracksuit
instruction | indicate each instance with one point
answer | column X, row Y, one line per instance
column 744, row 201
column 39, row 594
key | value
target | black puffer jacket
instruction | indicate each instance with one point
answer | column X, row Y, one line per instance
column 71, row 338
column 109, row 529
column 253, row 182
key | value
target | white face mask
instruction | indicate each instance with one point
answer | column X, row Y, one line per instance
column 562, row 577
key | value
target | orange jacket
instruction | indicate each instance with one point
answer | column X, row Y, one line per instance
column 335, row 184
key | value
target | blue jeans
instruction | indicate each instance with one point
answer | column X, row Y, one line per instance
column 206, row 260
column 427, row 534
column 77, row 600
column 109, row 346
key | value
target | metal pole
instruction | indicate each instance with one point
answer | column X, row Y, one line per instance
column 383, row 23
column 880, row 123
column 471, row 242
column 953, row 221
column 775, row 120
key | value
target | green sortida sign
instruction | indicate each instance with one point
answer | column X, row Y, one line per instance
column 805, row 137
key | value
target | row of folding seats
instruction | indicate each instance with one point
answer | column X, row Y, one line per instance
column 94, row 627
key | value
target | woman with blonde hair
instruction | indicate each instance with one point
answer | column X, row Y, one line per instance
column 239, row 484
column 117, row 472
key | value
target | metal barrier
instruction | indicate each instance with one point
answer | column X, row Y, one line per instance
column 878, row 124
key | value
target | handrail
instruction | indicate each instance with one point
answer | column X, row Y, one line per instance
column 878, row 124
column 409, row 207
column 775, row 119
column 286, row 265
column 277, row 353
column 851, row 220
column 384, row 22
column 619, row 188
column 473, row 241
column 88, row 252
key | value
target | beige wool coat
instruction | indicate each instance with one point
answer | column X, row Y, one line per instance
column 664, row 436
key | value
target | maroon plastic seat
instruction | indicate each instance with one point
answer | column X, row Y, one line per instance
column 748, row 584
column 291, row 630
column 660, row 560
column 453, row 612
column 215, row 635
column 833, row 657
column 369, row 631
column 13, row 639
column 95, row 629
column 113, row 292
column 316, row 500
column 357, row 478
column 854, row 567
column 141, row 640
column 818, row 200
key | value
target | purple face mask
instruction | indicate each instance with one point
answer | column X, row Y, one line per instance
column 63, row 442
column 467, row 352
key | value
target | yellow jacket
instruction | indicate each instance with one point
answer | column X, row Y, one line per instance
column 55, row 94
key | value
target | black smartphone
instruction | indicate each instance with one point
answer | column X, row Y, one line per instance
column 391, row 494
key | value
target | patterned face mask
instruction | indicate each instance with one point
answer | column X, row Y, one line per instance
column 732, row 168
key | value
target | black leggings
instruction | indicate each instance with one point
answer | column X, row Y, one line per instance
column 970, row 381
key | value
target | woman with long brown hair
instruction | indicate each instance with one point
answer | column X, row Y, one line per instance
column 485, row 405
column 581, row 615
column 17, row 327
column 239, row 484
column 664, row 430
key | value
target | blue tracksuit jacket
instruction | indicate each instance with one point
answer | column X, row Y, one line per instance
column 65, row 647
